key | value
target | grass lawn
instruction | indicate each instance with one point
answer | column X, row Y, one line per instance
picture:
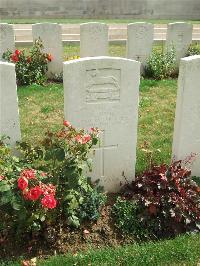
column 184, row 250
column 41, row 108
column 78, row 21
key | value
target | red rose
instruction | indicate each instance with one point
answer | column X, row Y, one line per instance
column 49, row 202
column 17, row 52
column 14, row 58
column 28, row 173
column 78, row 138
column 22, row 183
column 49, row 57
column 66, row 123
column 83, row 139
column 86, row 138
column 2, row 177
column 34, row 193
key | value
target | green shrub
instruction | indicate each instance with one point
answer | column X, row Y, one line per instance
column 126, row 214
column 47, row 183
column 30, row 68
column 161, row 65
column 193, row 50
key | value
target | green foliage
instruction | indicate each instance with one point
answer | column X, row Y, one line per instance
column 193, row 50
column 161, row 65
column 30, row 67
column 127, row 215
column 89, row 208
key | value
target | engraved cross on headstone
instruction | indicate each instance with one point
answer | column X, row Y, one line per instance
column 103, row 148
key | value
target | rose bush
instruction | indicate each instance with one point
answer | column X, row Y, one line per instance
column 30, row 67
column 48, row 182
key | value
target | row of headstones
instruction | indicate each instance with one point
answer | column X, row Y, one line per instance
column 94, row 40
column 104, row 92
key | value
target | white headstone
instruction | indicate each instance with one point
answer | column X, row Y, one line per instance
column 51, row 36
column 7, row 39
column 9, row 113
column 186, row 138
column 93, row 39
column 179, row 36
column 139, row 41
column 103, row 92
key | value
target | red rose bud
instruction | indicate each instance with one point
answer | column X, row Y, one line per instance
column 49, row 57
column 17, row 52
column 66, row 123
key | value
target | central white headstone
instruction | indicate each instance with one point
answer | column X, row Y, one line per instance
column 140, row 41
column 187, row 121
column 103, row 92
column 179, row 37
column 51, row 35
column 93, row 39
column 9, row 113
column 7, row 39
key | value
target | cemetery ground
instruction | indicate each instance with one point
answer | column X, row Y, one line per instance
column 41, row 108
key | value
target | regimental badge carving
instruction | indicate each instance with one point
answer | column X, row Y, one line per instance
column 103, row 85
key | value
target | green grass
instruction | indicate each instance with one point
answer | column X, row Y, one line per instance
column 184, row 250
column 42, row 109
column 78, row 21
column 114, row 50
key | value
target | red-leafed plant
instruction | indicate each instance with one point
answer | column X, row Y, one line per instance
column 167, row 198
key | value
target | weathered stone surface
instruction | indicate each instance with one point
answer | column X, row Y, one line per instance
column 140, row 41
column 7, row 39
column 179, row 36
column 103, row 92
column 93, row 39
column 186, row 138
column 9, row 113
column 51, row 35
